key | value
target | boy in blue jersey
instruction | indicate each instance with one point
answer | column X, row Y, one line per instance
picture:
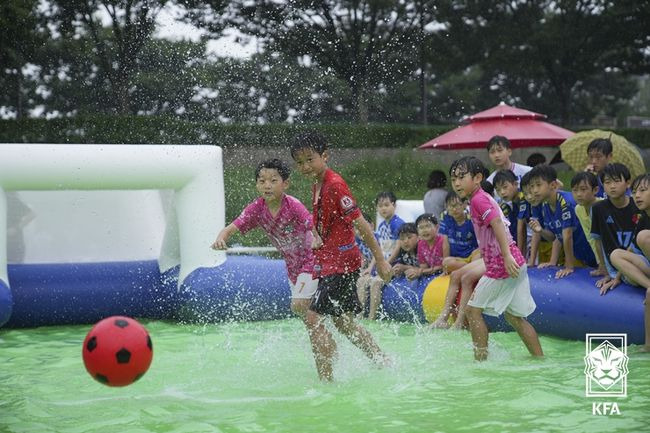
column 507, row 187
column 560, row 225
column 459, row 245
column 530, row 214
column 387, row 235
column 613, row 220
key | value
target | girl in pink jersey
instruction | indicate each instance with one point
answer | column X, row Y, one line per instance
column 504, row 288
column 287, row 223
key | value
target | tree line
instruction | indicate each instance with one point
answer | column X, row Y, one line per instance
column 406, row 61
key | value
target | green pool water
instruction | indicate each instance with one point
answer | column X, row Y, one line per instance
column 259, row 377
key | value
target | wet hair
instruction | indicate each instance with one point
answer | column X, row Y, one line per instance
column 310, row 140
column 535, row 159
column 504, row 176
column 468, row 164
column 615, row 171
column 452, row 196
column 525, row 181
column 544, row 172
column 643, row 179
column 437, row 179
column 408, row 228
column 274, row 164
column 487, row 187
column 602, row 145
column 498, row 140
column 585, row 176
column 426, row 217
column 386, row 194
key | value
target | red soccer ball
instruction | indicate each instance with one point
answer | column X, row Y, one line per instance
column 117, row 351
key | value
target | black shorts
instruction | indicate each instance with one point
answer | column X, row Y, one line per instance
column 336, row 295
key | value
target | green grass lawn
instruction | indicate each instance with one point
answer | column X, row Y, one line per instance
column 405, row 175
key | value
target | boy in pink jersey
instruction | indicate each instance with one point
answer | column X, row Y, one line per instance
column 288, row 225
column 504, row 287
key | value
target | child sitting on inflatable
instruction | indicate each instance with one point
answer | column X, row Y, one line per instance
column 405, row 258
column 633, row 263
column 504, row 288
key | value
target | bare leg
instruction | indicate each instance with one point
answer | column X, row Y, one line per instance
column 451, row 264
column 632, row 266
column 479, row 332
column 527, row 334
column 376, row 287
column 359, row 336
column 452, row 291
column 362, row 291
column 467, row 283
column 322, row 344
column 300, row 306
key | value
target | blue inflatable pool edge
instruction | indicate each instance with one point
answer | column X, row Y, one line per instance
column 256, row 288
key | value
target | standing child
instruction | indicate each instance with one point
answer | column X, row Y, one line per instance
column 507, row 187
column 633, row 263
column 505, row 286
column 338, row 260
column 613, row 220
column 434, row 199
column 500, row 150
column 387, row 235
column 584, row 187
column 287, row 223
column 599, row 153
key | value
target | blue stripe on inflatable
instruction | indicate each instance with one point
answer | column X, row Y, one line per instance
column 55, row 294
column 402, row 299
column 6, row 303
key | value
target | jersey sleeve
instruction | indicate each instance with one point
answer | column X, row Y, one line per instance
column 248, row 219
column 567, row 214
column 524, row 210
column 485, row 209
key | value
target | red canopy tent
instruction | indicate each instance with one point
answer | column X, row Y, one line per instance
column 522, row 127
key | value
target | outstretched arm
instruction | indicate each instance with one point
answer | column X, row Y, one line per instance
column 222, row 238
column 367, row 236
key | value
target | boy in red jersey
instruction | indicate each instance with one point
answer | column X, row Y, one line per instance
column 338, row 259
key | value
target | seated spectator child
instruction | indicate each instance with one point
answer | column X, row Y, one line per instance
column 459, row 245
column 584, row 187
column 500, row 150
column 560, row 224
column 434, row 199
column 430, row 246
column 633, row 263
column 405, row 259
column 366, row 254
column 599, row 153
column 613, row 220
column 387, row 235
column 507, row 187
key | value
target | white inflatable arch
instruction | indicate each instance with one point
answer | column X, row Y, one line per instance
column 105, row 202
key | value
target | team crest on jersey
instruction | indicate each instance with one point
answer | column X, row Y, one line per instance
column 347, row 202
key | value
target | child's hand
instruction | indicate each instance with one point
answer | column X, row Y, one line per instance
column 600, row 272
column 590, row 168
column 608, row 285
column 316, row 242
column 535, row 225
column 546, row 265
column 511, row 266
column 398, row 268
column 563, row 273
column 413, row 273
column 219, row 244
column 384, row 270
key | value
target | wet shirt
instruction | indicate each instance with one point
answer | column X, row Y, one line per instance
column 564, row 216
column 387, row 234
column 484, row 209
column 430, row 255
column 408, row 258
column 334, row 211
column 289, row 231
column 461, row 237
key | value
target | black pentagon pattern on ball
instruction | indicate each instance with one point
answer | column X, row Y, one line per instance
column 92, row 344
column 121, row 323
column 123, row 356
column 101, row 378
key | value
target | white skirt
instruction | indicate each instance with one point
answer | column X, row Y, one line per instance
column 509, row 294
